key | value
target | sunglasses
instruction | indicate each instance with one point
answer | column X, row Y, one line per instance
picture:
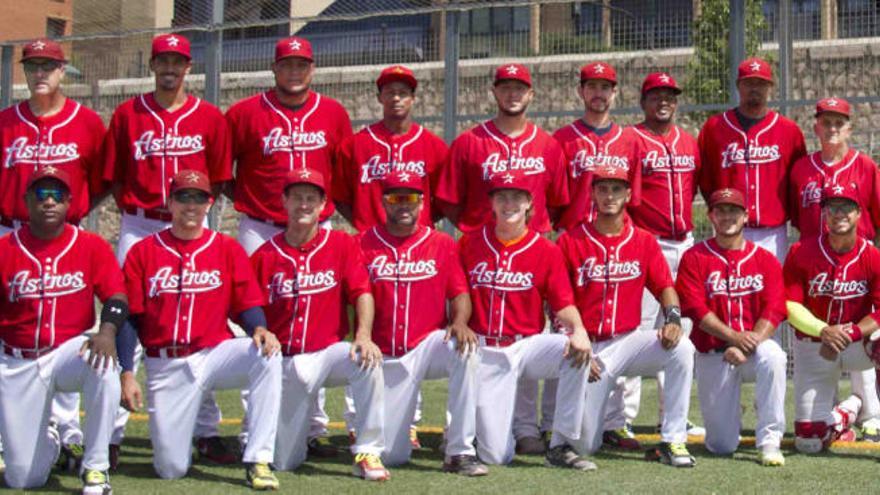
column 838, row 208
column 403, row 198
column 192, row 197
column 44, row 193
column 48, row 66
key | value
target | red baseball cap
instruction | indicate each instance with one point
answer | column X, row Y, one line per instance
column 42, row 48
column 402, row 180
column 397, row 73
column 656, row 80
column 510, row 180
column 170, row 43
column 599, row 70
column 833, row 105
column 50, row 172
column 306, row 176
column 756, row 68
column 191, row 179
column 848, row 191
column 610, row 173
column 513, row 72
column 293, row 46
column 727, row 196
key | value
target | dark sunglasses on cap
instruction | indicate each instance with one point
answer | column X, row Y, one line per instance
column 192, row 197
column 46, row 66
column 44, row 193
column 404, row 198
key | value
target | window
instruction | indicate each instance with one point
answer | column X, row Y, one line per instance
column 55, row 28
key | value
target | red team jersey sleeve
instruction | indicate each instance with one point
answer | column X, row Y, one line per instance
column 794, row 275
column 109, row 279
column 689, row 286
column 345, row 172
column 356, row 280
column 219, row 154
column 133, row 270
column 456, row 280
column 451, row 186
column 772, row 298
column 246, row 292
column 557, row 287
column 658, row 276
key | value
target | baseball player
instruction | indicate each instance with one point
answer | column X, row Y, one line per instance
column 183, row 283
column 50, row 129
column 832, row 283
column 837, row 163
column 152, row 137
column 512, row 271
column 611, row 263
column 414, row 270
column 752, row 149
column 732, row 289
column 309, row 274
column 51, row 273
column 286, row 128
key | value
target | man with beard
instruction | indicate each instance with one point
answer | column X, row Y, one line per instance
column 152, row 137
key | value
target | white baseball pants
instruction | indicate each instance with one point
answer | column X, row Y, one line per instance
column 177, row 386
column 303, row 376
column 816, row 378
column 638, row 354
column 432, row 359
column 535, row 357
column 26, row 390
column 718, row 388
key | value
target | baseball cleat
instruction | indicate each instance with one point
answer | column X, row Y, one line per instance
column 530, row 446
column 621, row 438
column 321, row 448
column 260, row 477
column 695, row 430
column 672, row 454
column 564, row 456
column 465, row 465
column 414, row 438
column 370, row 468
column 96, row 483
column 70, row 458
column 113, row 454
column 870, row 430
column 771, row 457
column 213, row 449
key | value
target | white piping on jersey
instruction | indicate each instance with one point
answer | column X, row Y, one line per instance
column 391, row 158
column 164, row 139
column 192, row 299
column 301, row 125
column 52, row 129
column 730, row 295
column 33, row 258
column 669, row 175
column 595, row 151
column 629, row 236
column 503, row 144
column 821, row 170
column 529, row 244
column 746, row 154
column 863, row 244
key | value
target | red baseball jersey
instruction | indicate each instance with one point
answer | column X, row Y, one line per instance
column 509, row 284
column 585, row 151
column 184, row 290
column 669, row 168
column 412, row 277
column 835, row 287
column 810, row 174
column 269, row 140
column 146, row 145
column 757, row 162
column 307, row 288
column 69, row 140
column 48, row 288
column 483, row 152
column 739, row 286
column 610, row 274
column 367, row 157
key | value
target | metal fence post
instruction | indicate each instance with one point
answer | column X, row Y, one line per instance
column 450, row 78
column 213, row 68
column 6, row 53
column 737, row 43
column 785, row 54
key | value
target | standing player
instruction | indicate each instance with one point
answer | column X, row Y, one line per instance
column 837, row 163
column 50, row 129
column 51, row 273
column 414, row 270
column 308, row 274
column 832, row 283
column 752, row 149
column 512, row 271
column 183, row 284
column 611, row 264
column 152, row 137
column 732, row 289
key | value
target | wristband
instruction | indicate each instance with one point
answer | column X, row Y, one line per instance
column 115, row 312
column 673, row 315
column 854, row 331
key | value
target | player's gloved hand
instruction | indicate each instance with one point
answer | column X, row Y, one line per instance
column 132, row 398
column 266, row 341
column 102, row 350
column 735, row 356
column 465, row 339
column 578, row 348
column 835, row 337
column 669, row 335
column 370, row 355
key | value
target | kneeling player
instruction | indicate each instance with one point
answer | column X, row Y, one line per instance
column 50, row 274
column 414, row 270
column 611, row 263
column 308, row 274
column 183, row 283
column 512, row 271
column 835, row 277
column 732, row 290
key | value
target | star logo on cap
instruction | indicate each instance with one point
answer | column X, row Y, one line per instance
column 295, row 45
column 831, row 102
column 397, row 69
column 838, row 189
column 755, row 66
column 664, row 78
column 508, row 179
column 305, row 174
column 38, row 45
column 512, row 69
column 50, row 170
column 172, row 40
column 403, row 177
column 726, row 193
column 191, row 177
column 599, row 69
